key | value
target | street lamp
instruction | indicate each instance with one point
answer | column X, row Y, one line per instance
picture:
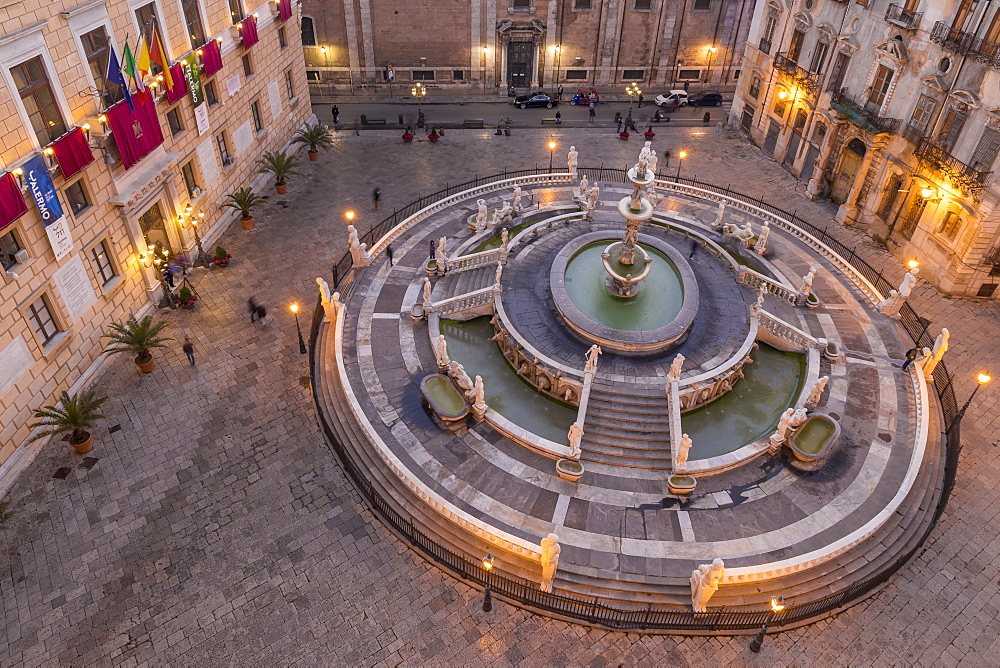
column 302, row 344
column 552, row 147
column 418, row 91
column 777, row 605
column 632, row 90
column 708, row 70
column 680, row 160
column 488, row 599
column 349, row 215
column 197, row 238
column 912, row 264
column 981, row 379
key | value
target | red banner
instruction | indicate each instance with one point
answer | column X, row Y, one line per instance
column 136, row 134
column 211, row 58
column 72, row 152
column 180, row 88
column 249, row 31
column 12, row 204
column 284, row 9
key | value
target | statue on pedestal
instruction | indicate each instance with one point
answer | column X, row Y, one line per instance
column 583, row 187
column 653, row 161
column 550, row 561
column 765, row 231
column 798, row 417
column 461, row 378
column 479, row 394
column 890, row 305
column 503, row 240
column 780, row 435
column 359, row 252
column 496, row 280
column 646, row 151
column 675, row 367
column 758, row 305
column 575, row 434
column 592, row 354
column 441, row 255
column 517, row 199
column 705, row 582
column 909, row 280
column 592, row 196
column 571, row 159
column 940, row 348
column 441, row 352
column 329, row 312
column 427, row 294
column 683, row 447
column 807, row 281
column 817, row 391
column 481, row 214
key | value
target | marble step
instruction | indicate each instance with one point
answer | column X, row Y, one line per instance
column 632, row 432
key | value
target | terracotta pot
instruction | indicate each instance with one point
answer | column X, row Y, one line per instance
column 84, row 447
column 145, row 367
column 281, row 188
column 314, row 155
column 247, row 223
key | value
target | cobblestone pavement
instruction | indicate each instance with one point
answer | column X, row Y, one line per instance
column 215, row 526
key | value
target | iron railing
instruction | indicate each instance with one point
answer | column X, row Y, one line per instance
column 900, row 16
column 966, row 44
column 855, row 112
column 802, row 77
column 966, row 177
column 594, row 611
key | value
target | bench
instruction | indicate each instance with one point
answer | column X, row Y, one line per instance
column 552, row 121
column 374, row 121
column 473, row 123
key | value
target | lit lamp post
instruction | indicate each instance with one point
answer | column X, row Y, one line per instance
column 488, row 599
column 298, row 330
column 552, row 147
column 708, row 70
column 418, row 91
column 632, row 90
column 680, row 161
column 982, row 379
column 777, row 605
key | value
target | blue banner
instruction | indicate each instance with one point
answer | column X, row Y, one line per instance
column 36, row 173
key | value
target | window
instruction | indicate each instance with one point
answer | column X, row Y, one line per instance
column 40, row 317
column 767, row 34
column 313, row 75
column 987, row 290
column 795, row 46
column 258, row 124
column 237, row 13
column 289, row 84
column 963, row 14
column 77, row 197
column 190, row 181
column 754, row 90
column 950, row 224
column 643, row 5
column 8, row 250
column 692, row 75
column 780, row 106
column 423, row 75
column 986, row 151
column 879, row 88
column 923, row 113
column 819, row 57
column 702, row 4
column 582, row 4
column 520, row 4
column 458, row 75
column 736, row 75
column 247, row 65
column 38, row 99
column 282, row 40
column 146, row 17
column 633, row 75
column 839, row 71
column 952, row 126
column 889, row 196
column 192, row 18
column 220, row 141
column 174, row 121
column 210, row 94
column 308, row 32
column 576, row 75
column 102, row 262
column 746, row 119
column 95, row 47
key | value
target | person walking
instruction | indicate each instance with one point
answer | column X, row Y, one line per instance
column 388, row 253
column 619, row 120
column 686, row 84
column 911, row 355
column 559, row 92
column 558, row 118
column 168, row 276
column 433, row 246
column 376, row 196
column 336, row 114
column 666, row 157
column 252, row 305
column 592, row 113
column 357, row 128
column 707, row 118
column 641, row 98
column 188, row 349
column 262, row 315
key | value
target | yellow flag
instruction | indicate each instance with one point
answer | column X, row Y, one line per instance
column 144, row 63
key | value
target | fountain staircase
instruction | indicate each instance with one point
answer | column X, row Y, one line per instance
column 627, row 429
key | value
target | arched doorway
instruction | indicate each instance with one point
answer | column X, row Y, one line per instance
column 850, row 162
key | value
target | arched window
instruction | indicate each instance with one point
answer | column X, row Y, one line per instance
column 308, row 32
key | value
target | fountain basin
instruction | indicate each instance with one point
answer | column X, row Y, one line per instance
column 659, row 321
column 443, row 397
column 814, row 440
column 679, row 483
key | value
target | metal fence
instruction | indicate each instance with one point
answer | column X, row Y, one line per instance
column 594, row 611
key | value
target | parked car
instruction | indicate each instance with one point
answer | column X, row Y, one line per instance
column 536, row 99
column 586, row 97
column 673, row 98
column 712, row 99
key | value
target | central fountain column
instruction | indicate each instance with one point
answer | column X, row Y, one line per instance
column 634, row 209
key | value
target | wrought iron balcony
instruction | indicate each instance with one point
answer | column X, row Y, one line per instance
column 866, row 119
column 902, row 17
column 966, row 177
column 802, row 77
column 966, row 44
column 913, row 134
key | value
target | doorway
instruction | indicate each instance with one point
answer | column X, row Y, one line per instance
column 850, row 163
column 520, row 56
column 154, row 228
column 771, row 140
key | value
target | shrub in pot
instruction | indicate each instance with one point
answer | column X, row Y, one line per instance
column 186, row 298
column 221, row 258
column 137, row 338
column 281, row 165
column 74, row 416
column 245, row 200
column 315, row 137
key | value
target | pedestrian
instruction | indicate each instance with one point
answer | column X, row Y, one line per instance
column 376, row 196
column 357, row 128
column 641, row 98
column 559, row 92
column 911, row 355
column 388, row 253
column 666, row 157
column 558, row 118
column 657, row 116
column 262, row 315
column 592, row 113
column 694, row 247
column 707, row 118
column 618, row 117
column 168, row 276
column 188, row 349
column 401, row 120
column 252, row 305
column 619, row 121
column 336, row 114
column 686, row 84
column 431, row 256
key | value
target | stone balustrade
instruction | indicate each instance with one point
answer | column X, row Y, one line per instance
column 475, row 260
column 772, row 287
column 789, row 334
column 470, row 303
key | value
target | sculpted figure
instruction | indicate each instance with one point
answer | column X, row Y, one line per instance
column 479, row 392
column 359, row 254
column 503, row 239
column 517, row 199
column 504, row 213
column 817, row 391
column 324, row 289
column 646, row 150
column 765, row 231
column 481, row 214
column 758, row 305
column 324, row 295
column 575, row 434
column 682, row 451
column 941, row 344
column 550, row 560
column 441, row 352
column 675, row 367
column 592, row 354
column 592, row 196
column 461, row 378
column 352, row 237
column 890, row 305
column 906, row 286
column 653, row 161
column 427, row 293
column 705, row 582
column 571, row 159
column 784, row 425
column 798, row 417
column 642, row 166
column 583, row 186
column 441, row 254
column 496, row 280
column 807, row 280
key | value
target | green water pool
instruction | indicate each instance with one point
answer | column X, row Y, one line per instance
column 813, row 436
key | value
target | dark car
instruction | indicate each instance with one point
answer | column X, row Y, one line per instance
column 536, row 100
column 706, row 100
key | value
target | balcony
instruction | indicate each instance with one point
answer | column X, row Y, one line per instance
column 966, row 44
column 865, row 119
column 964, row 176
column 902, row 17
column 913, row 134
column 802, row 78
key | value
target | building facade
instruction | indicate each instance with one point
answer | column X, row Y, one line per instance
column 486, row 46
column 127, row 201
column 892, row 110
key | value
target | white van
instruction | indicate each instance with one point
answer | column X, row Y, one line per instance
column 674, row 98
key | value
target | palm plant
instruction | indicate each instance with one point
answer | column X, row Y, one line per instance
column 136, row 337
column 280, row 164
column 315, row 137
column 244, row 200
column 74, row 414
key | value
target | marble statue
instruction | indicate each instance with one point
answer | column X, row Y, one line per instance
column 744, row 234
column 941, row 344
column 479, row 392
column 631, row 236
column 496, row 280
column 675, row 367
column 683, row 447
column 890, row 305
column 906, row 286
column 517, row 199
column 575, row 434
column 807, row 281
column 718, row 216
column 571, row 159
column 765, row 231
column 646, row 150
column 503, row 240
column 461, row 378
column 503, row 215
column 592, row 196
column 427, row 294
column 359, row 252
column 550, row 561
column 481, row 214
column 817, row 391
column 642, row 166
column 653, row 161
column 592, row 354
column 583, row 186
column 329, row 311
column 324, row 289
column 705, row 582
column 784, row 426
column 441, row 254
column 758, row 305
column 798, row 417
column 441, row 352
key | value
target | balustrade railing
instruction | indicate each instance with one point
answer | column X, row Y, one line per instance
column 803, row 77
column 899, row 15
column 966, row 44
column 474, row 260
column 786, row 332
column 846, row 106
column 466, row 302
column 771, row 286
column 966, row 177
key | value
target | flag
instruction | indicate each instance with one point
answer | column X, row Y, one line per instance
column 144, row 65
column 158, row 56
column 115, row 76
column 130, row 69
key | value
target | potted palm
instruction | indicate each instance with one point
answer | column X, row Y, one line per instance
column 244, row 200
column 136, row 337
column 74, row 415
column 315, row 137
column 281, row 165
